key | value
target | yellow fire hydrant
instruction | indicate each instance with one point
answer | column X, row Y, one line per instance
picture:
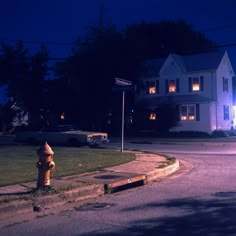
column 44, row 165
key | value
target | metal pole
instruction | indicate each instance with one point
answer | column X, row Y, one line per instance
column 123, row 121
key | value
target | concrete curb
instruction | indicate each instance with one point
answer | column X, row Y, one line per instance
column 9, row 209
column 27, row 203
column 163, row 172
column 76, row 194
column 47, row 202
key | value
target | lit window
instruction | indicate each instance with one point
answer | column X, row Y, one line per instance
column 152, row 116
column 62, row 116
column 152, row 87
column 196, row 84
column 152, row 90
column 187, row 112
column 172, row 86
column 191, row 112
column 183, row 112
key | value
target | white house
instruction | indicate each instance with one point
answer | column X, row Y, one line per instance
column 200, row 85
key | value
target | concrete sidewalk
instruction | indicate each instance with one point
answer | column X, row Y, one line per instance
column 20, row 198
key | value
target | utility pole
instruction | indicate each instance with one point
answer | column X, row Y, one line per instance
column 101, row 15
column 123, row 83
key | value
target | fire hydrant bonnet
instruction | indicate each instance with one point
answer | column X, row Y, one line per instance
column 45, row 150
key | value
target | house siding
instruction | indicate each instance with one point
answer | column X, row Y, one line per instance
column 213, row 121
column 203, row 125
column 224, row 98
column 213, row 103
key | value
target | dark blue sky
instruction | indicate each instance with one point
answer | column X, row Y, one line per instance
column 58, row 23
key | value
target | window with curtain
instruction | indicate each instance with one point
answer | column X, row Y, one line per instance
column 188, row 112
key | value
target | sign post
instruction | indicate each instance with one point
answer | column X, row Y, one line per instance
column 123, row 83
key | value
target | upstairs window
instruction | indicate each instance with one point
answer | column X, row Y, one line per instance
column 172, row 86
column 196, row 84
column 225, row 85
column 152, row 87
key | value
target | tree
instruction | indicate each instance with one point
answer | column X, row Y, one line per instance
column 14, row 69
column 106, row 53
column 23, row 76
column 90, row 73
column 34, row 95
column 155, row 40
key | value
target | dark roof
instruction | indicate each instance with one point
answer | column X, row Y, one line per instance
column 189, row 63
column 199, row 62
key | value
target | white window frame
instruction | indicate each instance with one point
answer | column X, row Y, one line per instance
column 188, row 112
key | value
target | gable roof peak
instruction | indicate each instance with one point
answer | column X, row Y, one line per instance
column 200, row 61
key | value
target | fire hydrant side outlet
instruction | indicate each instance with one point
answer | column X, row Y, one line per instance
column 45, row 164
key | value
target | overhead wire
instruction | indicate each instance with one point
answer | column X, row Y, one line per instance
column 71, row 44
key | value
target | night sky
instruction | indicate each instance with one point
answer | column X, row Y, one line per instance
column 58, row 23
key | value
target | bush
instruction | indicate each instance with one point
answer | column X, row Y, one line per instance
column 232, row 132
column 220, row 133
column 189, row 134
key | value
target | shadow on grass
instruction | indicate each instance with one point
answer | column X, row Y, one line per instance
column 215, row 217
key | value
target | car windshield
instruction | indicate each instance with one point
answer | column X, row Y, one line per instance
column 59, row 128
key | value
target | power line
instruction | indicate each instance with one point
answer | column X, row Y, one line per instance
column 218, row 46
column 226, row 45
column 76, row 43
column 218, row 28
column 40, row 42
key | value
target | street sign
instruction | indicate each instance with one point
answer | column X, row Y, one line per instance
column 122, row 82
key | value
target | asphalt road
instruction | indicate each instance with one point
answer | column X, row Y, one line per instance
column 197, row 200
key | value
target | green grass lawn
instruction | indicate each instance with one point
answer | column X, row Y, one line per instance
column 17, row 163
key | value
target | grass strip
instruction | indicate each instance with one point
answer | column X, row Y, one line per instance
column 17, row 163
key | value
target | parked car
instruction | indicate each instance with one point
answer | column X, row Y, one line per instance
column 62, row 135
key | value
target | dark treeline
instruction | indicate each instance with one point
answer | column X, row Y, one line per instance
column 82, row 88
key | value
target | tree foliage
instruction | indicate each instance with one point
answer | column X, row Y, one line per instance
column 24, row 76
column 151, row 40
column 84, row 85
column 106, row 53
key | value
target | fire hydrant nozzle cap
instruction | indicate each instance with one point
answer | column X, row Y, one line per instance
column 45, row 149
